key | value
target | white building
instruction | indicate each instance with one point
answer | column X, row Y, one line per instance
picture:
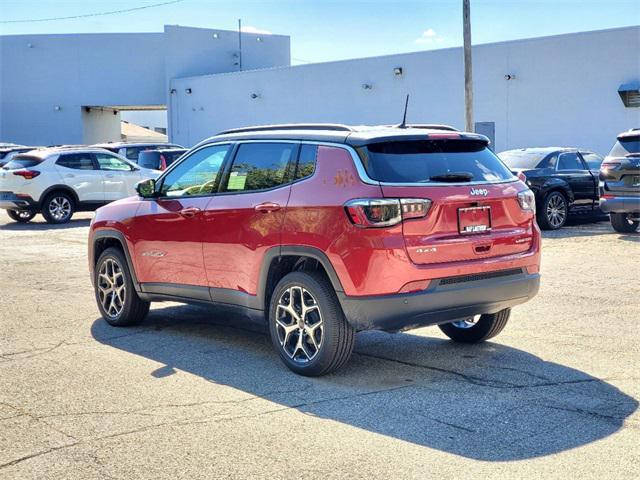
column 70, row 88
column 563, row 91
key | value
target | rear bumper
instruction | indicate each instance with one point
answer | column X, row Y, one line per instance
column 443, row 301
column 620, row 205
column 10, row 201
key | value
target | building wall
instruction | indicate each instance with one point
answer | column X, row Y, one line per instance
column 41, row 72
column 564, row 93
column 100, row 126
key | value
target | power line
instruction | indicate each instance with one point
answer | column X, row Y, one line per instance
column 96, row 14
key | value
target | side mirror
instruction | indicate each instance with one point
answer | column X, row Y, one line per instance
column 146, row 188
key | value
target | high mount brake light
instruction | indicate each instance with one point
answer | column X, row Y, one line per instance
column 27, row 174
column 385, row 212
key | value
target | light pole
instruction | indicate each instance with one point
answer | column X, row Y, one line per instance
column 468, row 80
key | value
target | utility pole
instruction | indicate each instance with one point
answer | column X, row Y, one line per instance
column 240, row 44
column 468, row 80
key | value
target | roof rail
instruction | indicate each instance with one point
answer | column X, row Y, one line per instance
column 292, row 126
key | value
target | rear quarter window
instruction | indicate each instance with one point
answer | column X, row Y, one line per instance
column 424, row 160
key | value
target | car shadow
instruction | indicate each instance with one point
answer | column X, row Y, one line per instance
column 36, row 225
column 488, row 402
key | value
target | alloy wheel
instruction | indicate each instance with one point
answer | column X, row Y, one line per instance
column 466, row 322
column 111, row 287
column 556, row 210
column 299, row 324
column 60, row 208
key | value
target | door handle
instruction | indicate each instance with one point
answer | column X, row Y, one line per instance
column 267, row 207
column 190, row 212
column 110, row 175
column 70, row 175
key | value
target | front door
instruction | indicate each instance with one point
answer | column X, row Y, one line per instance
column 167, row 231
column 119, row 176
column 245, row 219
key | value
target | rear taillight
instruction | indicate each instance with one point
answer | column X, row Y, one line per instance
column 527, row 200
column 608, row 166
column 385, row 212
column 522, row 176
column 27, row 174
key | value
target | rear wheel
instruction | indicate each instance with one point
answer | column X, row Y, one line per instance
column 21, row 216
column 621, row 223
column 117, row 299
column 477, row 329
column 553, row 212
column 307, row 325
column 58, row 207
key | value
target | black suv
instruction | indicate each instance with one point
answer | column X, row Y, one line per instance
column 563, row 180
column 620, row 182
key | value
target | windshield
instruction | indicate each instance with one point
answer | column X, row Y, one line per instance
column 22, row 161
column 525, row 159
column 625, row 146
column 433, row 161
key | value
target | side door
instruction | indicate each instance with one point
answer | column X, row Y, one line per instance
column 245, row 219
column 79, row 170
column 119, row 176
column 167, row 230
column 571, row 169
column 593, row 162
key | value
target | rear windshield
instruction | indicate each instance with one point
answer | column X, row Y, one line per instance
column 625, row 146
column 171, row 157
column 22, row 161
column 433, row 161
column 522, row 158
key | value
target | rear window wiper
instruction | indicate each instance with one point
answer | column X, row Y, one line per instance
column 453, row 177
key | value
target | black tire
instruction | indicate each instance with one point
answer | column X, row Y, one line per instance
column 554, row 203
column 622, row 224
column 133, row 310
column 337, row 337
column 21, row 216
column 58, row 207
column 488, row 326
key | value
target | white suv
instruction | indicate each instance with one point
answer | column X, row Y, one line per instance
column 131, row 150
column 60, row 181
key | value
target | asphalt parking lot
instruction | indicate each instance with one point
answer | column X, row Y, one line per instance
column 196, row 394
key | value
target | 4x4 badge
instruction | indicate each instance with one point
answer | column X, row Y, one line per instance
column 479, row 191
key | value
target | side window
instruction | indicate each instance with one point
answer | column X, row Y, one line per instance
column 306, row 161
column 569, row 161
column 196, row 174
column 77, row 161
column 258, row 166
column 133, row 152
column 593, row 160
column 548, row 162
column 109, row 162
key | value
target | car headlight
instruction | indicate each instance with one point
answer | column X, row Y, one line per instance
column 527, row 200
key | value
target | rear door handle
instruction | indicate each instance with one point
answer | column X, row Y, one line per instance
column 190, row 212
column 70, row 175
column 267, row 207
column 110, row 175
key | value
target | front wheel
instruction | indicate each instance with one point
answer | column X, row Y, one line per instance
column 308, row 328
column 477, row 329
column 621, row 223
column 21, row 216
column 117, row 299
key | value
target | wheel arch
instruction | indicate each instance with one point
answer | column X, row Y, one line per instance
column 58, row 188
column 279, row 261
column 103, row 239
column 557, row 185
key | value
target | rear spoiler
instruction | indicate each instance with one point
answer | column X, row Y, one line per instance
column 442, row 135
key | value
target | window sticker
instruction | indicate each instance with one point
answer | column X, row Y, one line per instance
column 237, row 181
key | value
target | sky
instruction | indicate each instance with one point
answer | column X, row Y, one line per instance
column 325, row 30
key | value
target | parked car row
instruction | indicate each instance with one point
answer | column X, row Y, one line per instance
column 58, row 181
column 566, row 180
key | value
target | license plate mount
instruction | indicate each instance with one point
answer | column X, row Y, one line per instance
column 474, row 220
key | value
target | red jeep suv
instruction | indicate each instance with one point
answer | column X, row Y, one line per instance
column 323, row 231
